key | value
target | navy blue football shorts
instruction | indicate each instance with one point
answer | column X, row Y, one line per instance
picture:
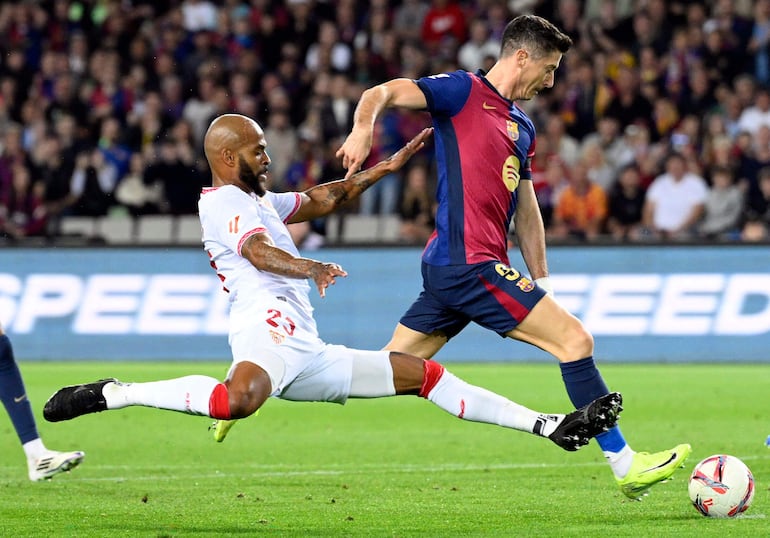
column 491, row 294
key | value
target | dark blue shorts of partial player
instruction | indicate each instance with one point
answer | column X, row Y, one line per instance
column 492, row 294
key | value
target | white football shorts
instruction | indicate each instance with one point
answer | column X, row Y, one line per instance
column 301, row 366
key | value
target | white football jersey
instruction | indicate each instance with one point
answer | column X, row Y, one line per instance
column 229, row 216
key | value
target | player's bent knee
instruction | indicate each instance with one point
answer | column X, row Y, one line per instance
column 579, row 343
column 244, row 404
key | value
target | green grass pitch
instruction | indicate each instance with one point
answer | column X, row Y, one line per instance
column 389, row 467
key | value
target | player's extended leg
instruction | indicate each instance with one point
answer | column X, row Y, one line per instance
column 378, row 374
column 245, row 390
column 552, row 328
column 416, row 343
column 41, row 462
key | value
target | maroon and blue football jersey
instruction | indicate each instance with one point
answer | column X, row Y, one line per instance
column 484, row 144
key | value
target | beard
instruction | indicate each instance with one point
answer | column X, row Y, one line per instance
column 256, row 182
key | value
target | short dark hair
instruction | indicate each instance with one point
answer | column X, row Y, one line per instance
column 534, row 33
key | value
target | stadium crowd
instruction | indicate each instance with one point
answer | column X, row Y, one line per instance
column 658, row 127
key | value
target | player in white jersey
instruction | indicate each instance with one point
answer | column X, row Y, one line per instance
column 275, row 344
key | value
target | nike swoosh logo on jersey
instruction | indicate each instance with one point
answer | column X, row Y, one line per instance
column 672, row 458
column 19, row 399
column 485, row 106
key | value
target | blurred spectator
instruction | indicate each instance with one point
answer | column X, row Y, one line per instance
column 382, row 197
column 610, row 140
column 16, row 68
column 11, row 154
column 579, row 108
column 759, row 44
column 581, row 210
column 719, row 58
column 599, row 171
column 756, row 225
column 735, row 27
column 607, row 28
column 284, row 145
column 444, row 23
column 200, row 108
column 199, row 15
column 758, row 114
column 559, row 142
column 138, row 197
column 328, row 46
column 626, row 201
column 182, row 182
column 699, row 99
column 337, row 108
column 674, row 203
column 303, row 25
column 409, row 18
column 629, row 106
column 417, row 208
column 112, row 147
column 93, row 183
column 723, row 207
column 480, row 45
column 754, row 156
column 55, row 170
column 549, row 183
column 22, row 211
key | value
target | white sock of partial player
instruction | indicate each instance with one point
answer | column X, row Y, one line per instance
column 190, row 394
column 470, row 402
column 620, row 462
column 34, row 449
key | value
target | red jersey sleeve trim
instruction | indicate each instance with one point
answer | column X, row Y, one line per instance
column 248, row 234
column 297, row 203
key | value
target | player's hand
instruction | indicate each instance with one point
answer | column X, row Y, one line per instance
column 325, row 275
column 355, row 149
column 399, row 158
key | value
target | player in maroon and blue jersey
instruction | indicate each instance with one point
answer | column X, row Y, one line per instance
column 484, row 144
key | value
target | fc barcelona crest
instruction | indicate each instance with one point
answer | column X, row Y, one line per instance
column 513, row 129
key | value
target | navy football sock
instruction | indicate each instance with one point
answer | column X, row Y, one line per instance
column 13, row 394
column 584, row 384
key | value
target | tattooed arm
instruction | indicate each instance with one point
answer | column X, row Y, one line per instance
column 323, row 199
column 265, row 256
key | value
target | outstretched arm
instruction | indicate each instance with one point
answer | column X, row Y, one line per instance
column 325, row 198
column 400, row 92
column 265, row 256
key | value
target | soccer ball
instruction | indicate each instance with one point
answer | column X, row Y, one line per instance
column 721, row 486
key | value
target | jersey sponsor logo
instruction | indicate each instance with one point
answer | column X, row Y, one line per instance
column 485, row 106
column 513, row 129
column 511, row 173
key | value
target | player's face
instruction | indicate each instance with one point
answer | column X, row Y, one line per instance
column 539, row 74
column 252, row 167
